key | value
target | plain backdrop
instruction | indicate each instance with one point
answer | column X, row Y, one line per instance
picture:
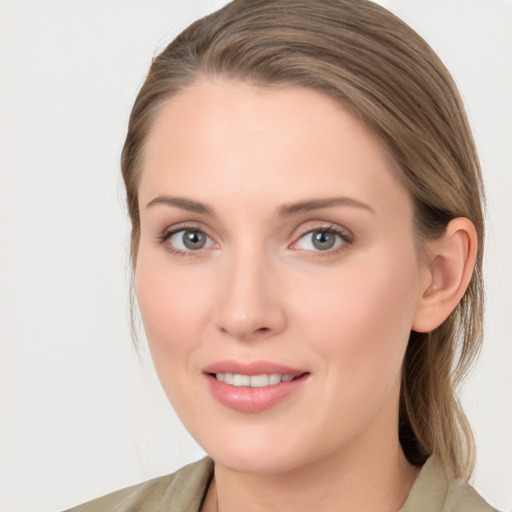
column 80, row 413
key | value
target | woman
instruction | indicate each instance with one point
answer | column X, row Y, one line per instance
column 307, row 234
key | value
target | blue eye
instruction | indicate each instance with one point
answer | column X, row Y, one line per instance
column 321, row 240
column 186, row 240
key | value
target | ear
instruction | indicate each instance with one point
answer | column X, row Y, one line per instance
column 447, row 274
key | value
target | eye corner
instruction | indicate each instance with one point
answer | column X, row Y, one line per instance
column 185, row 240
column 330, row 240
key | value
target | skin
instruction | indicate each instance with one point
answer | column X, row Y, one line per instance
column 260, row 290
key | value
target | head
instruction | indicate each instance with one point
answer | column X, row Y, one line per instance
column 358, row 56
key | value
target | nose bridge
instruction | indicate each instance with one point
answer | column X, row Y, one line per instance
column 249, row 304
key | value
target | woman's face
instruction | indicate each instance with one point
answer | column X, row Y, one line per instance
column 276, row 244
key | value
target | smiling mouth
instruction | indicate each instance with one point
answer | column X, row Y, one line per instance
column 253, row 387
column 255, row 381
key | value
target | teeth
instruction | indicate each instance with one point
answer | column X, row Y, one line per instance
column 241, row 380
column 274, row 378
column 258, row 381
column 254, row 381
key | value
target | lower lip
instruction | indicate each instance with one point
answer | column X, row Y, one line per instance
column 248, row 399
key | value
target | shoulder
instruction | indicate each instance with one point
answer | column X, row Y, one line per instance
column 462, row 497
column 433, row 491
column 178, row 492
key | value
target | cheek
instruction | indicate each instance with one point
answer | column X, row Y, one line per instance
column 173, row 306
column 359, row 320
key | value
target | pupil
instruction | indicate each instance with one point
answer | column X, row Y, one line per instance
column 323, row 240
column 194, row 239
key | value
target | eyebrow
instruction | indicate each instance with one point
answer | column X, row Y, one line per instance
column 316, row 204
column 183, row 203
column 286, row 210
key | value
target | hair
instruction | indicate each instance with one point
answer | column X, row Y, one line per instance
column 385, row 74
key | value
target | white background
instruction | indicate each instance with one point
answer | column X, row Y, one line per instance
column 80, row 415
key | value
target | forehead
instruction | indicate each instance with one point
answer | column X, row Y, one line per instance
column 226, row 139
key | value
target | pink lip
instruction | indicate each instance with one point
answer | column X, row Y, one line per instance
column 247, row 399
column 252, row 368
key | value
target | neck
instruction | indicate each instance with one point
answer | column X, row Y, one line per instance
column 378, row 480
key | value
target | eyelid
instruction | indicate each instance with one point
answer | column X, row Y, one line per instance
column 181, row 226
column 318, row 225
column 170, row 231
column 345, row 234
column 307, row 228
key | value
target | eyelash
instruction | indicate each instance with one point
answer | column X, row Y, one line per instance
column 346, row 240
column 167, row 234
column 346, row 237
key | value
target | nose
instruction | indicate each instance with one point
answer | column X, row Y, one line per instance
column 250, row 303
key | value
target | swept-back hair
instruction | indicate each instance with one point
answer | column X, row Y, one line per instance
column 386, row 75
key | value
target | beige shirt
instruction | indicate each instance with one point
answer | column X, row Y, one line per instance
column 185, row 490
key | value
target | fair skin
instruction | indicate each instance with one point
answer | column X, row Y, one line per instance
column 329, row 288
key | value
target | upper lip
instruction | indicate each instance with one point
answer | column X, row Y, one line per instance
column 252, row 368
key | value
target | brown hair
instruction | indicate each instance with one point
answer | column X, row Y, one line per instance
column 384, row 73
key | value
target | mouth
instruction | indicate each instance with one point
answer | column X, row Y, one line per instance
column 253, row 387
column 255, row 381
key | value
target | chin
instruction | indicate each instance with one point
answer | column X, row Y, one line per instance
column 256, row 463
column 258, row 451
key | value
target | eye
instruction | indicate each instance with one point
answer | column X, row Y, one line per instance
column 186, row 240
column 322, row 240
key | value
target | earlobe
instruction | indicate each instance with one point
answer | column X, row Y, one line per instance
column 450, row 267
